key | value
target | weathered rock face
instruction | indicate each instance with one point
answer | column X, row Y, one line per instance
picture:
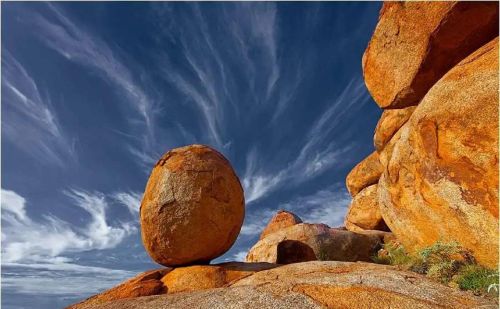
column 416, row 43
column 326, row 243
column 390, row 121
column 193, row 207
column 366, row 173
column 281, row 220
column 201, row 277
column 145, row 284
column 319, row 285
column 440, row 179
column 364, row 213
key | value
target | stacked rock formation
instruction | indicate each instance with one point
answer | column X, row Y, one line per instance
column 287, row 240
column 433, row 68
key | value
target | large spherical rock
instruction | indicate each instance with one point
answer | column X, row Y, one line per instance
column 193, row 207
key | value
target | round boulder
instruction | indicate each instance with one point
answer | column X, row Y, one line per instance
column 193, row 207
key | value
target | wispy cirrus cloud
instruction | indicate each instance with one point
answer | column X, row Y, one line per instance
column 76, row 44
column 29, row 120
column 327, row 205
column 60, row 279
column 25, row 240
column 132, row 200
column 240, row 46
column 319, row 152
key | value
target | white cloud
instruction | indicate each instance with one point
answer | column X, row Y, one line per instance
column 328, row 206
column 75, row 44
column 319, row 153
column 29, row 120
column 13, row 204
column 26, row 240
column 60, row 279
column 204, row 77
column 239, row 256
column 132, row 200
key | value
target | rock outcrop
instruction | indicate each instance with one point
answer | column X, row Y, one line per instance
column 193, row 207
column 282, row 219
column 175, row 280
column 202, row 277
column 390, row 122
column 318, row 285
column 145, row 284
column 364, row 212
column 326, row 243
column 366, row 173
column 416, row 43
column 440, row 179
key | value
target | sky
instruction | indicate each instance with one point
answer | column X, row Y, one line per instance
column 92, row 94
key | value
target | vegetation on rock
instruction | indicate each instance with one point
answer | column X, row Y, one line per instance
column 448, row 263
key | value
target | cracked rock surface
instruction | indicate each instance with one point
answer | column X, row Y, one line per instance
column 440, row 178
column 193, row 207
column 318, row 285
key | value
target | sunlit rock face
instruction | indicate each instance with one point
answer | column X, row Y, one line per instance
column 364, row 174
column 296, row 243
column 193, row 207
column 364, row 212
column 317, row 285
column 416, row 43
column 440, row 179
column 281, row 220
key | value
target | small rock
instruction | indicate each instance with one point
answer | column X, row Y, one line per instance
column 281, row 220
column 364, row 174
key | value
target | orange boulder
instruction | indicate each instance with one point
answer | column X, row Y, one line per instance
column 145, row 284
column 364, row 213
column 193, row 207
column 281, row 220
column 364, row 174
column 416, row 43
column 440, row 179
column 202, row 277
column 390, row 121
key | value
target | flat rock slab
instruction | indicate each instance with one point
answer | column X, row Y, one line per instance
column 319, row 285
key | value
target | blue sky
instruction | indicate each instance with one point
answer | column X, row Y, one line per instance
column 94, row 93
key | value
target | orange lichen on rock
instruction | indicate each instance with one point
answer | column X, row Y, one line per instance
column 145, row 284
column 416, row 43
column 364, row 174
column 440, row 179
column 201, row 277
column 364, row 213
column 389, row 123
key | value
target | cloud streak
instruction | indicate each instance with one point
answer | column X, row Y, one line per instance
column 77, row 45
column 47, row 240
column 30, row 122
column 319, row 153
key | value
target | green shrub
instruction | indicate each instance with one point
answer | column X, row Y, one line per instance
column 393, row 254
column 441, row 261
column 478, row 279
column 448, row 263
